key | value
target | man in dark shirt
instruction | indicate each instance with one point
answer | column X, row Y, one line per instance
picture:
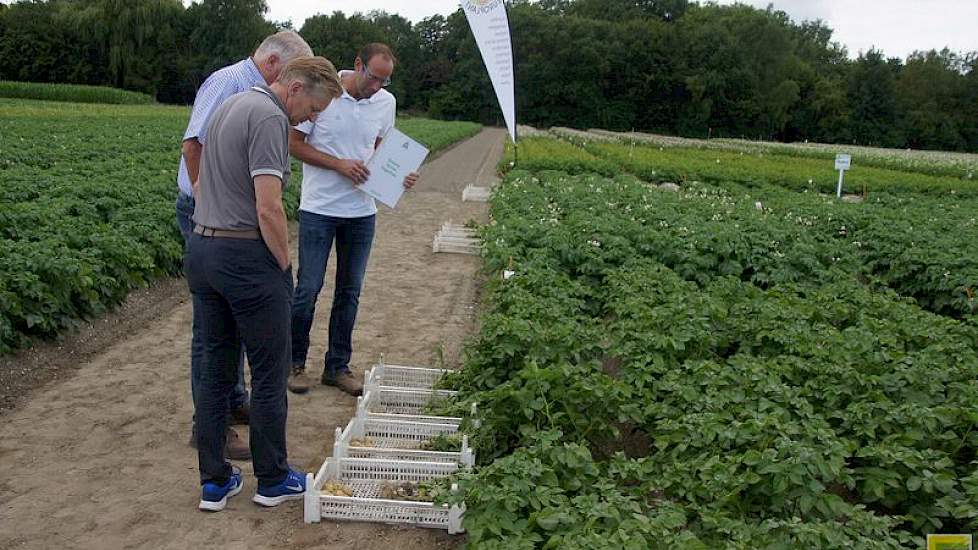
column 239, row 273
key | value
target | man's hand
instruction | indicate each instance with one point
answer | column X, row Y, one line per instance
column 356, row 170
column 411, row 180
column 271, row 218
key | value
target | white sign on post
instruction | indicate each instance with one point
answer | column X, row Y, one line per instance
column 842, row 163
column 490, row 26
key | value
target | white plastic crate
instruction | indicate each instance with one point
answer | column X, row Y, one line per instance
column 403, row 376
column 395, row 400
column 363, row 413
column 457, row 239
column 473, row 193
column 368, row 400
column 366, row 478
column 398, row 440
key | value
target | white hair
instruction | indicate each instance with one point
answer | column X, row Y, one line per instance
column 287, row 45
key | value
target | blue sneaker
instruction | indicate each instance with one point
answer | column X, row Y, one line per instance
column 214, row 497
column 291, row 488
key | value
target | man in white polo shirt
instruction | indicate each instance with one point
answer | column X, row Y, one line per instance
column 333, row 150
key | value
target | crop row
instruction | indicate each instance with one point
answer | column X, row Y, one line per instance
column 437, row 134
column 938, row 163
column 796, row 173
column 86, row 209
column 641, row 391
column 911, row 243
column 74, row 93
column 663, row 164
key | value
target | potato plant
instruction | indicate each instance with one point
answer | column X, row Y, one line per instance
column 87, row 207
column 721, row 367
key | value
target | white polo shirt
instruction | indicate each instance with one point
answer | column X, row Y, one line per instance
column 347, row 129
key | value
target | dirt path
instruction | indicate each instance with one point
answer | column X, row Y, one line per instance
column 99, row 459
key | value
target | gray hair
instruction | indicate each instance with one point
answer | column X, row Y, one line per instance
column 288, row 45
column 316, row 73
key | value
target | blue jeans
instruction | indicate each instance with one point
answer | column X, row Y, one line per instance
column 353, row 237
column 239, row 396
column 241, row 296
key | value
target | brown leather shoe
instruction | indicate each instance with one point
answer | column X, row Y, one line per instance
column 241, row 415
column 298, row 381
column 235, row 448
column 344, row 381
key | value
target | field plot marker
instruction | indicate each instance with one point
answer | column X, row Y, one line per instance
column 842, row 163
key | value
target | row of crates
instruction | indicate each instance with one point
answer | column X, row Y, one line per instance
column 383, row 449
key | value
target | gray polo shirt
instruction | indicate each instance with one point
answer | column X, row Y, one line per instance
column 247, row 136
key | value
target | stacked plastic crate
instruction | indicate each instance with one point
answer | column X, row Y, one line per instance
column 384, row 456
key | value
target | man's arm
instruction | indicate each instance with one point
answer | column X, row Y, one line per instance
column 192, row 151
column 209, row 97
column 271, row 217
column 355, row 170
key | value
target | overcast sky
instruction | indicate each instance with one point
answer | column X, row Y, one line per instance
column 898, row 27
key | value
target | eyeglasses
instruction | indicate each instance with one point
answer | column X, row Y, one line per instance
column 384, row 82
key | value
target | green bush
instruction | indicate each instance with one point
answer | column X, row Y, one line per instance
column 73, row 93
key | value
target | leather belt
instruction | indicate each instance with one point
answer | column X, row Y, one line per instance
column 247, row 234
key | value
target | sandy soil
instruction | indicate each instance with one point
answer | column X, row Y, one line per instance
column 96, row 455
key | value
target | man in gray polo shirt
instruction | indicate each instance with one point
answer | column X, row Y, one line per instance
column 263, row 67
column 238, row 271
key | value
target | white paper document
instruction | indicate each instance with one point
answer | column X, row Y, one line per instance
column 397, row 156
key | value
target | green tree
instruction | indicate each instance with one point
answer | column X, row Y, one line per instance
column 873, row 100
column 136, row 37
column 670, row 66
column 223, row 32
column 931, row 94
column 339, row 38
column 831, row 111
column 618, row 10
column 39, row 43
column 969, row 98
column 434, row 68
column 741, row 72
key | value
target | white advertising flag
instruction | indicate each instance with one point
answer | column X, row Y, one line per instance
column 490, row 25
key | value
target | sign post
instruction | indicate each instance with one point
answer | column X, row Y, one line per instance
column 842, row 163
column 490, row 26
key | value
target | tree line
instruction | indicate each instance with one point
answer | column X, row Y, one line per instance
column 666, row 66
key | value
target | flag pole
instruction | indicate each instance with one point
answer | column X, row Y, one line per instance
column 516, row 118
